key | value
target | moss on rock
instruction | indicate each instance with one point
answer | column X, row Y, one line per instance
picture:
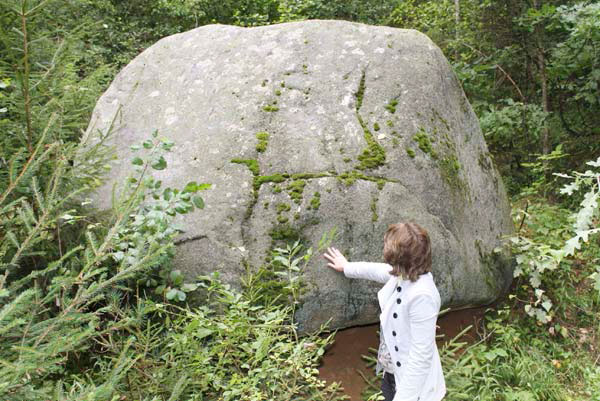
column 374, row 215
column 391, row 106
column 250, row 163
column 295, row 190
column 263, row 141
column 424, row 143
column 285, row 232
column 373, row 155
column 261, row 179
column 315, row 202
column 282, row 207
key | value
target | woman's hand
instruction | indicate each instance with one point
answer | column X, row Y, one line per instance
column 337, row 261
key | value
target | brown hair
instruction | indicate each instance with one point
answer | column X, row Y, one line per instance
column 406, row 246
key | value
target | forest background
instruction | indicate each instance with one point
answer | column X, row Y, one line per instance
column 91, row 309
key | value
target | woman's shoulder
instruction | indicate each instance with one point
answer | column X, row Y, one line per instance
column 424, row 285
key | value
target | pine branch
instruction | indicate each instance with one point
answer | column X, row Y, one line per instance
column 33, row 161
column 25, row 78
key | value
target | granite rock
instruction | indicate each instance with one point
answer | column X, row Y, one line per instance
column 352, row 127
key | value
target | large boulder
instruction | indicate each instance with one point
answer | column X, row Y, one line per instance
column 306, row 126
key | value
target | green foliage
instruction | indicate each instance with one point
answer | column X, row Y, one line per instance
column 54, row 301
column 154, row 221
column 365, row 11
column 279, row 282
column 530, row 71
column 507, row 125
column 543, row 252
column 509, row 366
column 236, row 345
column 242, row 353
column 574, row 67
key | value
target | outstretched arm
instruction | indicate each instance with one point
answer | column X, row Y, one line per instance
column 379, row 272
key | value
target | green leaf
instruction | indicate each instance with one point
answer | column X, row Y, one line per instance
column 171, row 294
column 189, row 287
column 159, row 164
column 191, row 186
column 137, row 161
column 203, row 332
column 501, row 352
column 564, row 332
column 547, row 305
column 167, row 145
column 147, row 144
column 490, row 355
column 594, row 163
column 176, row 276
column 198, row 202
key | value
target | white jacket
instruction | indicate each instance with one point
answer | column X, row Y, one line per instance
column 408, row 317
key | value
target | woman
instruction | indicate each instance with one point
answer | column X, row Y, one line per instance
column 410, row 303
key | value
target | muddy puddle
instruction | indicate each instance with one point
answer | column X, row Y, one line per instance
column 343, row 362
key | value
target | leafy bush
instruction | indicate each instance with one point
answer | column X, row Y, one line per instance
column 505, row 365
column 57, row 294
column 542, row 254
column 229, row 348
column 574, row 68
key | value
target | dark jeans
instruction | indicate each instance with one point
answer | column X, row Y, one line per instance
column 388, row 386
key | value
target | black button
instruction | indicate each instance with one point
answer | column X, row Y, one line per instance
column 399, row 289
column 398, row 301
column 398, row 364
column 396, row 348
column 395, row 315
column 394, row 333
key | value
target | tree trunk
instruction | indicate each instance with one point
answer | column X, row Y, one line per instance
column 545, row 101
column 457, row 26
column 541, row 62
